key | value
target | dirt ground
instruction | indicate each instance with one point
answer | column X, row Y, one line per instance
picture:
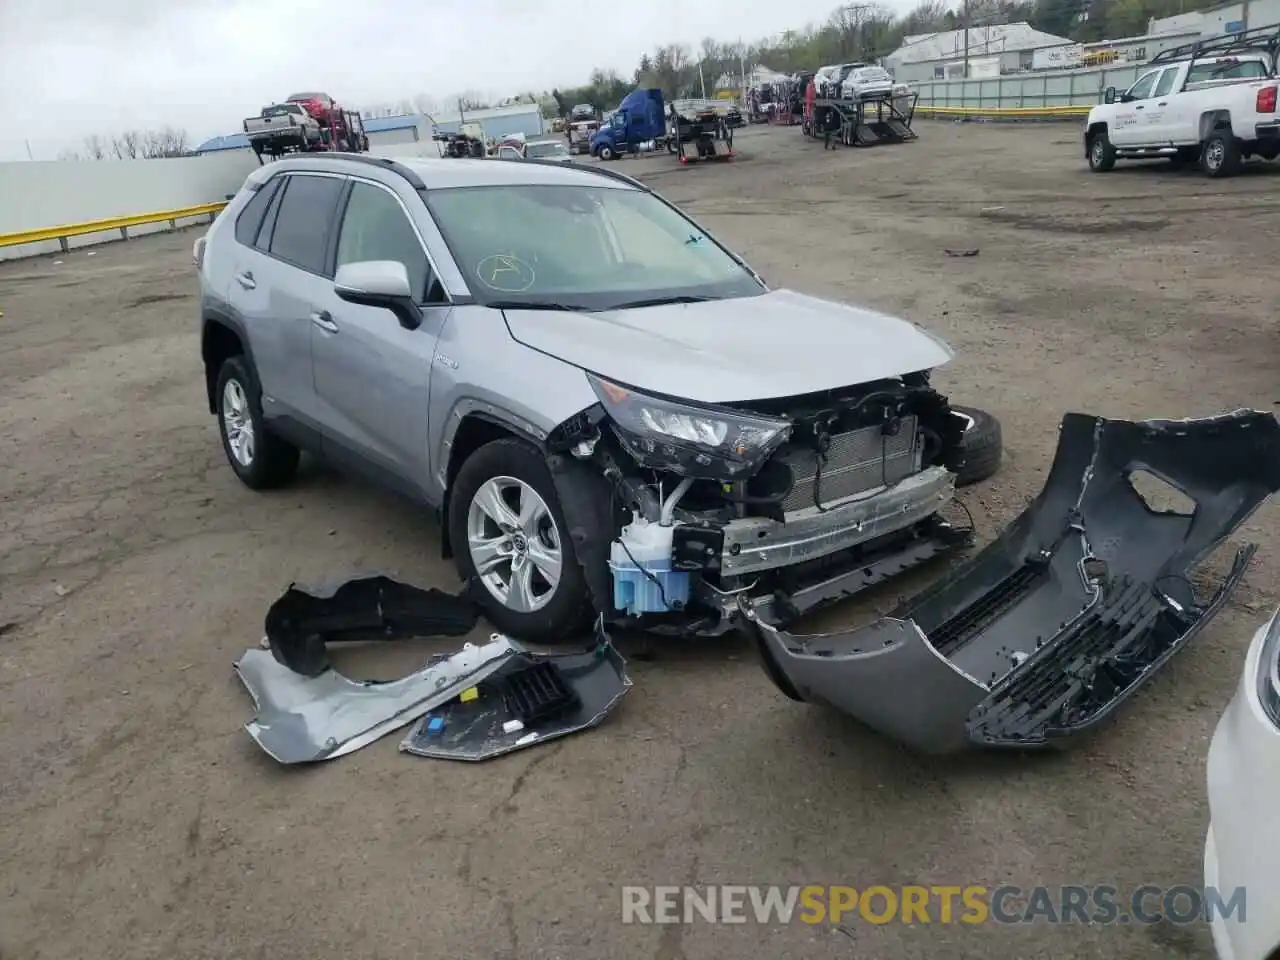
column 141, row 821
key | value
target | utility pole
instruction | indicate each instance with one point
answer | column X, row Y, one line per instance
column 966, row 39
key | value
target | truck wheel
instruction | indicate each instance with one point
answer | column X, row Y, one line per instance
column 1220, row 156
column 606, row 152
column 983, row 445
column 512, row 545
column 1102, row 155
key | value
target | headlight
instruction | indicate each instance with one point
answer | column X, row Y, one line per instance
column 709, row 442
column 1269, row 671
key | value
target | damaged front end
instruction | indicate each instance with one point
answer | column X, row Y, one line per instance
column 676, row 510
column 1058, row 621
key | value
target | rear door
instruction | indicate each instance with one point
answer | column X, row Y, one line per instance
column 372, row 375
column 1161, row 114
column 259, row 297
column 290, row 281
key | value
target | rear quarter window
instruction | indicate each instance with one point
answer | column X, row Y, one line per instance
column 249, row 222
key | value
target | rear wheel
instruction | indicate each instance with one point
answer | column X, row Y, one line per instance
column 1220, row 155
column 1102, row 155
column 259, row 458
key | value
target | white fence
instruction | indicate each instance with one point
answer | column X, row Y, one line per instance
column 58, row 193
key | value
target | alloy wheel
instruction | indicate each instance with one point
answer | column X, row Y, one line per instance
column 238, row 423
column 514, row 543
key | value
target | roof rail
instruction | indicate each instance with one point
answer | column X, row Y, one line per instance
column 386, row 163
column 1260, row 38
column 597, row 170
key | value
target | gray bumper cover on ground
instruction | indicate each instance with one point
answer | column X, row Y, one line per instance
column 1058, row 621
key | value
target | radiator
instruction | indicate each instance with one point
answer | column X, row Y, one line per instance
column 857, row 461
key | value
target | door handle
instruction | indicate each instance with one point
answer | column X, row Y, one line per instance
column 324, row 320
column 1139, row 108
column 1163, row 103
column 246, row 280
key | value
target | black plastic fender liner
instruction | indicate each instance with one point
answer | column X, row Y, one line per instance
column 304, row 619
column 1064, row 616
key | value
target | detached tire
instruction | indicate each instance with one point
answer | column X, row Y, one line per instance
column 983, row 446
column 259, row 458
column 514, row 474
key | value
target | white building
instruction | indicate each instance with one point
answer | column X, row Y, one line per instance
column 992, row 51
column 1222, row 19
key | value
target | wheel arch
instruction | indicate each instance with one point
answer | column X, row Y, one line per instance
column 475, row 429
column 1095, row 128
column 1211, row 120
column 221, row 338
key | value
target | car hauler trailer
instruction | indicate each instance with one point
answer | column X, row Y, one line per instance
column 863, row 122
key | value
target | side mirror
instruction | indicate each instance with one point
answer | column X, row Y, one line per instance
column 1110, row 95
column 379, row 283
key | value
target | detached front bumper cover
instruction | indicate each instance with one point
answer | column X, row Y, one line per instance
column 1058, row 621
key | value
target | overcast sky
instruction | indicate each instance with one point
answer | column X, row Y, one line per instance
column 71, row 68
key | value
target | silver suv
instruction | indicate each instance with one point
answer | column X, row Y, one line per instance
column 610, row 411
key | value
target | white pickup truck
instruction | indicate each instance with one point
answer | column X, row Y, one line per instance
column 1214, row 102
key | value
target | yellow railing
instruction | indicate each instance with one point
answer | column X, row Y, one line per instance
column 1027, row 113
column 122, row 224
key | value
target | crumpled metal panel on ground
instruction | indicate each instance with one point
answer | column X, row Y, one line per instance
column 302, row 719
column 1057, row 622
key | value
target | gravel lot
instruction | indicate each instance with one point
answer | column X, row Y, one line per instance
column 140, row 821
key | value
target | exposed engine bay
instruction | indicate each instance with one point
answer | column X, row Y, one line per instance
column 676, row 510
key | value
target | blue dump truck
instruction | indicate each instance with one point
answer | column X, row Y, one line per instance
column 642, row 116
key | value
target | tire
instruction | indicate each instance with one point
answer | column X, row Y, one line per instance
column 512, row 468
column 1102, row 155
column 606, row 153
column 268, row 461
column 983, row 446
column 1220, row 154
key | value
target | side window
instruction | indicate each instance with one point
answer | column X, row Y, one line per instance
column 301, row 234
column 1142, row 89
column 1166, row 82
column 250, row 219
column 375, row 227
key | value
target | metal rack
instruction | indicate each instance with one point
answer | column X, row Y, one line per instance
column 863, row 123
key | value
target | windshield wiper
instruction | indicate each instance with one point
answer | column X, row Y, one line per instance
column 533, row 305
column 661, row 301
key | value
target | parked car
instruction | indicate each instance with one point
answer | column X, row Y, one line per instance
column 1243, row 837
column 1212, row 102
column 584, row 383
column 866, row 83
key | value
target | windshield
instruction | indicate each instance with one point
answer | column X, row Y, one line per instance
column 554, row 149
column 1227, row 70
column 581, row 247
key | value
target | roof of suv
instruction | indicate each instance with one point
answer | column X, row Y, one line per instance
column 442, row 173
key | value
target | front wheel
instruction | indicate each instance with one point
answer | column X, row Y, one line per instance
column 606, row 152
column 512, row 544
column 1102, row 155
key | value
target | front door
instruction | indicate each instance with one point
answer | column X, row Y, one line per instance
column 372, row 375
column 1130, row 126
